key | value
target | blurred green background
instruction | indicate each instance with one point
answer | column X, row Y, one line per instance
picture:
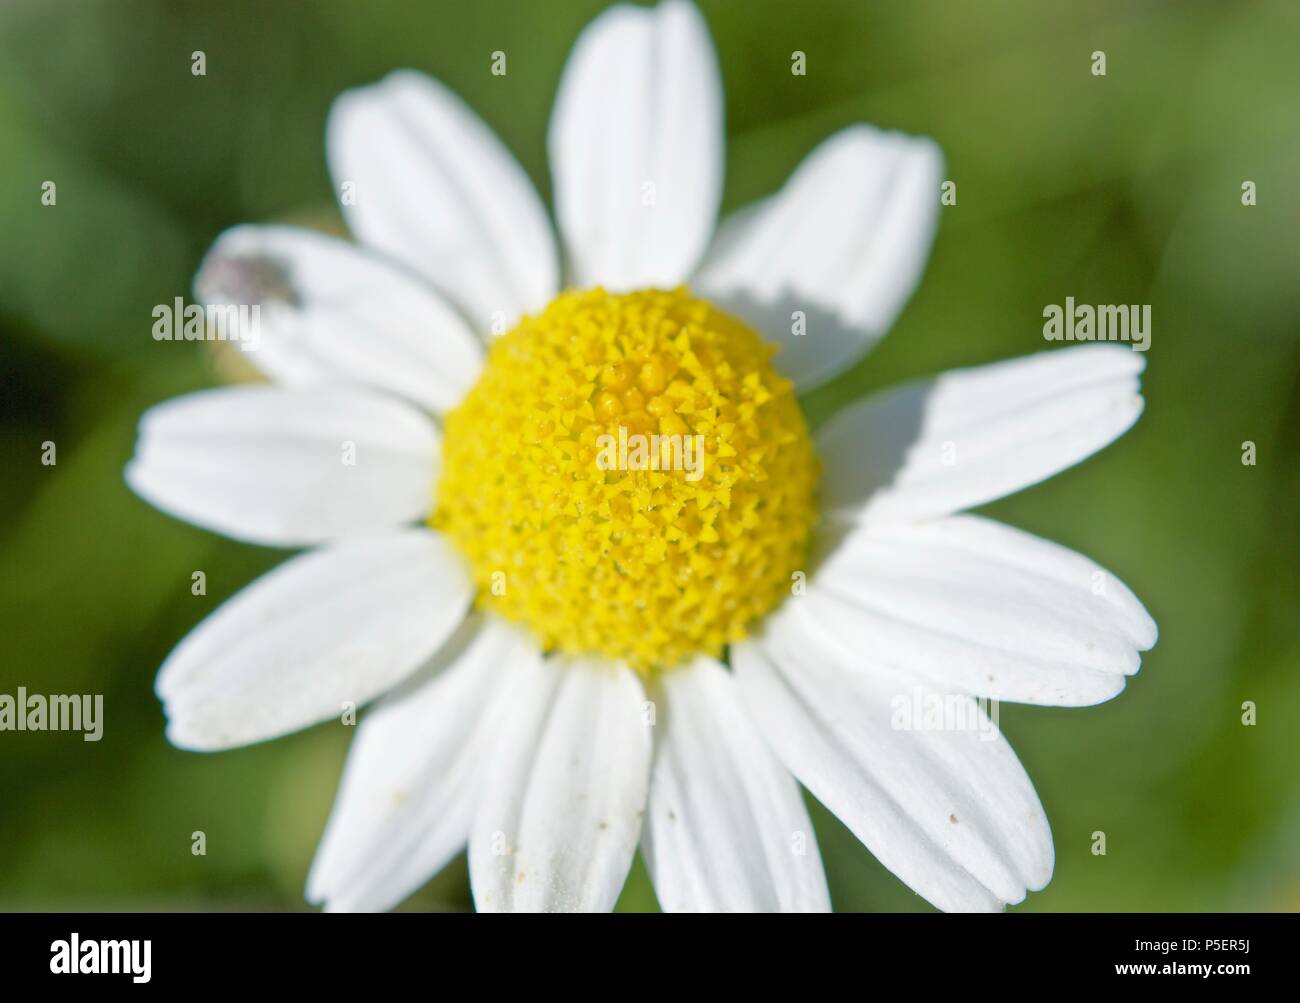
column 1119, row 189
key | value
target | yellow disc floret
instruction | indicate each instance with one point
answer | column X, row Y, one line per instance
column 630, row 477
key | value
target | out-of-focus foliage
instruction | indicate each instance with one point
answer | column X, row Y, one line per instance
column 1117, row 189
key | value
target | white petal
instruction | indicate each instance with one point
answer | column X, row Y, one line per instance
column 844, row 243
column 331, row 627
column 974, row 435
column 435, row 188
column 286, row 467
column 980, row 608
column 330, row 313
column 636, row 147
column 949, row 810
column 411, row 782
column 563, row 798
column 727, row 830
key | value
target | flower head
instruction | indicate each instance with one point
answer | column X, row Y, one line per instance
column 604, row 587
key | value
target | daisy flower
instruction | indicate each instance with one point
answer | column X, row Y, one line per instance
column 572, row 658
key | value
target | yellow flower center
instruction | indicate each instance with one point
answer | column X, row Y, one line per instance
column 630, row 477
